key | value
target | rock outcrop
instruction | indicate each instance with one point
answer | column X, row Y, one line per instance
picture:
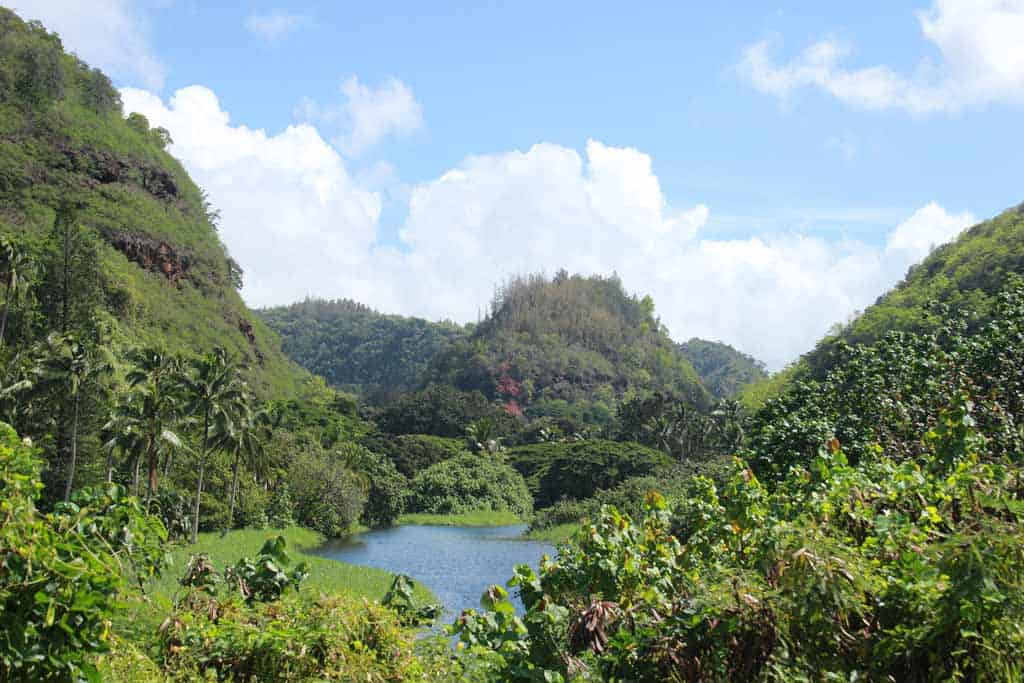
column 153, row 255
column 103, row 168
column 245, row 327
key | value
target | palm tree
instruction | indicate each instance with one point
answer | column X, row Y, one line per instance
column 244, row 444
column 73, row 367
column 14, row 264
column 123, row 432
column 728, row 423
column 215, row 394
column 143, row 430
column 154, row 376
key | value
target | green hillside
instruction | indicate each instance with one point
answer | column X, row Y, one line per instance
column 965, row 274
column 358, row 349
column 722, row 369
column 568, row 347
column 70, row 163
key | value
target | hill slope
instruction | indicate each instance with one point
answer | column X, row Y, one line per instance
column 722, row 369
column 964, row 274
column 571, row 346
column 358, row 349
column 67, row 154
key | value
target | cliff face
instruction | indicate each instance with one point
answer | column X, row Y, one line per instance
column 167, row 278
column 155, row 256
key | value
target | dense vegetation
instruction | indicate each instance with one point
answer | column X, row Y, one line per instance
column 563, row 351
column 862, row 524
column 722, row 369
column 881, row 540
column 967, row 274
column 358, row 349
column 567, row 347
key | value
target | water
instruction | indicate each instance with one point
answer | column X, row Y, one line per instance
column 456, row 563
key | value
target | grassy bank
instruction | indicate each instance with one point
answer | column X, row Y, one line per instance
column 479, row 518
column 559, row 533
column 143, row 615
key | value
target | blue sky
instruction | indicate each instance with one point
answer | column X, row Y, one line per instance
column 760, row 140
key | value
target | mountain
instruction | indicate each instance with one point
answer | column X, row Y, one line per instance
column 568, row 347
column 723, row 370
column 964, row 274
column 143, row 236
column 358, row 349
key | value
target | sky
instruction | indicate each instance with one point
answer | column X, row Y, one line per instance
column 763, row 171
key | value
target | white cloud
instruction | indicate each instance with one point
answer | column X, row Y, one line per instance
column 300, row 224
column 274, row 25
column 105, row 33
column 981, row 63
column 929, row 227
column 367, row 115
column 291, row 214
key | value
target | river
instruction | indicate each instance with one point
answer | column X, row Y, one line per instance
column 456, row 563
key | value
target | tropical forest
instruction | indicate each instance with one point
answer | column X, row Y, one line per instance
column 225, row 456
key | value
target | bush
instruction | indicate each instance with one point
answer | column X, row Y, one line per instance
column 387, row 487
column 441, row 410
column 413, row 453
column 578, row 469
column 469, row 483
column 297, row 639
column 329, row 497
column 887, row 570
column 281, row 509
column 252, row 504
column 628, row 497
column 61, row 573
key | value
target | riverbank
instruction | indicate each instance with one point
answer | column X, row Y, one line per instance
column 560, row 533
column 479, row 518
column 144, row 613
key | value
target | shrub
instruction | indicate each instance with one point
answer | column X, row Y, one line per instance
column 329, row 497
column 884, row 570
column 281, row 509
column 385, row 499
column 412, row 453
column 60, row 573
column 297, row 639
column 403, row 602
column 441, row 410
column 264, row 579
column 578, row 469
column 252, row 506
column 470, row 483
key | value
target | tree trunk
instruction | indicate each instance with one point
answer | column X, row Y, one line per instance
column 202, row 471
column 3, row 318
column 110, row 465
column 136, row 469
column 152, row 463
column 74, row 451
column 234, row 494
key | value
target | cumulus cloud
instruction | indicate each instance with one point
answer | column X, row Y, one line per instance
column 291, row 214
column 301, row 224
column 981, row 63
column 367, row 115
column 105, row 33
column 274, row 25
column 930, row 226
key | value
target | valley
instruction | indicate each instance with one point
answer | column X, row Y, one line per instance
column 195, row 489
